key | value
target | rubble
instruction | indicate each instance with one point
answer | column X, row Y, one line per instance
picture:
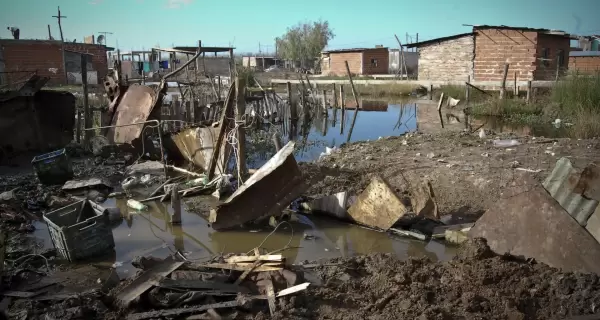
column 378, row 206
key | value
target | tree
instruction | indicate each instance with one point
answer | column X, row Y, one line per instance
column 304, row 42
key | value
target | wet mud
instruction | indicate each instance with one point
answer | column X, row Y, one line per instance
column 477, row 284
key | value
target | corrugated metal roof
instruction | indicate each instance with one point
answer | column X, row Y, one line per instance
column 422, row 43
column 351, row 50
column 584, row 54
column 561, row 184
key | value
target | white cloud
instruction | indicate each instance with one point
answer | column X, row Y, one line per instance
column 176, row 4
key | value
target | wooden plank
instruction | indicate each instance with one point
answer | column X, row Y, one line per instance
column 378, row 206
column 21, row 294
column 200, row 284
column 271, row 297
column 239, row 267
column 293, row 289
column 180, row 311
column 144, row 282
column 223, row 128
column 237, row 259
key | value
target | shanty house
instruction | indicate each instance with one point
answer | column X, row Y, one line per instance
column 584, row 61
column 46, row 58
column 361, row 61
column 533, row 54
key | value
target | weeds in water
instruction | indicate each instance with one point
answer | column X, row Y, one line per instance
column 576, row 101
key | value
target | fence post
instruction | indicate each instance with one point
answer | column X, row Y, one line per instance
column 503, row 84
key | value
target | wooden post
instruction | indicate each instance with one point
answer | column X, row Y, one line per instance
column 503, row 84
column 219, row 86
column 293, row 109
column 335, row 105
column 223, row 126
column 49, row 33
column 557, row 68
column 324, row 100
column 335, row 97
column 431, row 92
column 355, row 98
column 240, row 86
column 277, row 141
column 468, row 90
column 87, row 115
column 440, row 109
column 176, row 205
column 529, row 91
column 343, row 105
column 516, row 87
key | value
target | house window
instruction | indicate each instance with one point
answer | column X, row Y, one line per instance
column 560, row 56
column 373, row 62
column 546, row 57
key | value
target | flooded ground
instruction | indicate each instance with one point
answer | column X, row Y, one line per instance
column 378, row 119
column 312, row 238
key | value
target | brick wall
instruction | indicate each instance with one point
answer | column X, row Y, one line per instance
column 494, row 48
column 588, row 65
column 382, row 57
column 45, row 56
column 26, row 55
column 554, row 44
column 337, row 65
column 450, row 60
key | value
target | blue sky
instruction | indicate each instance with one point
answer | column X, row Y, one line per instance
column 139, row 24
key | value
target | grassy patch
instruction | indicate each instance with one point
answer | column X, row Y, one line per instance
column 381, row 90
column 576, row 101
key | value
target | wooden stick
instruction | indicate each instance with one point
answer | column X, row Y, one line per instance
column 529, row 91
column 241, row 131
column 478, row 89
column 185, row 171
column 516, row 88
column 224, row 124
column 355, row 98
column 503, row 83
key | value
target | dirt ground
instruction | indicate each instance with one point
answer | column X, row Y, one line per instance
column 467, row 173
column 477, row 284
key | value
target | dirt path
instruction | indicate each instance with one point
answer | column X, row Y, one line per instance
column 477, row 284
column 467, row 173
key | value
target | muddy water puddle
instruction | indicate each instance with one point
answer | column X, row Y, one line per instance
column 310, row 237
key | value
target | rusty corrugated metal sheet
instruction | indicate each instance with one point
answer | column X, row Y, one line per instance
column 562, row 185
column 135, row 106
column 196, row 145
column 266, row 193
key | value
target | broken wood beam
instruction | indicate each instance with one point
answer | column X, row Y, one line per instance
column 273, row 258
column 223, row 128
column 239, row 267
column 143, row 283
column 180, row 311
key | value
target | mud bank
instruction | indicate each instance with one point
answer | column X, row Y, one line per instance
column 477, row 284
column 468, row 173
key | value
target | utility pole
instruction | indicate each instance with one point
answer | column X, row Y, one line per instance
column 59, row 25
column 105, row 37
column 62, row 46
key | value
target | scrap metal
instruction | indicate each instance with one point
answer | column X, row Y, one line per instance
column 569, row 186
column 273, row 187
column 533, row 224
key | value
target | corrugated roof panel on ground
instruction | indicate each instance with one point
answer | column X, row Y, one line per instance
column 561, row 184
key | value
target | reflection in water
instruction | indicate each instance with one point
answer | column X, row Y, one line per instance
column 376, row 119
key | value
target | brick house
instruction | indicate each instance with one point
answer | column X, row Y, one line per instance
column 584, row 61
column 361, row 61
column 21, row 57
column 533, row 54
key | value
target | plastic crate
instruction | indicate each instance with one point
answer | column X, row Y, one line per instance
column 73, row 240
column 53, row 168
